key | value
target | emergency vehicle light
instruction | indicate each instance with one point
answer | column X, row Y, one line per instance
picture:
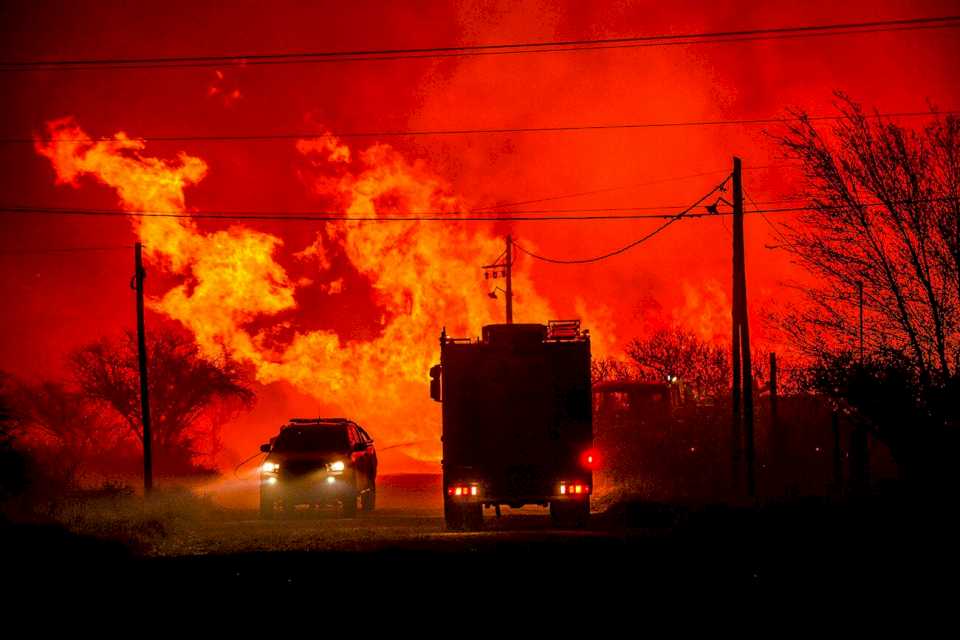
column 574, row 488
column 463, row 490
column 590, row 459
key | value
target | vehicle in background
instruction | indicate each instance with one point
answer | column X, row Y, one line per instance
column 318, row 461
column 517, row 421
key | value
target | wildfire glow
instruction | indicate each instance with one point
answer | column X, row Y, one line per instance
column 421, row 272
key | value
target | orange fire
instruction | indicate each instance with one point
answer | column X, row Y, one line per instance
column 705, row 310
column 421, row 273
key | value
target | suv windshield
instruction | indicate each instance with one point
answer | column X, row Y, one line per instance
column 312, row 439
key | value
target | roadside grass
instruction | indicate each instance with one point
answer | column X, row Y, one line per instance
column 116, row 512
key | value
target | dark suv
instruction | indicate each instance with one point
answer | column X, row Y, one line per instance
column 318, row 461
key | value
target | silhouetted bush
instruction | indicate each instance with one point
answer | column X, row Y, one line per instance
column 917, row 416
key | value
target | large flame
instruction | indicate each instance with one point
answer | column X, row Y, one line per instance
column 417, row 269
column 705, row 310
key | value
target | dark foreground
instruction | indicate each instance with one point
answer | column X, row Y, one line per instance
column 632, row 547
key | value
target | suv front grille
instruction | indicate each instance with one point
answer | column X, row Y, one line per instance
column 297, row 468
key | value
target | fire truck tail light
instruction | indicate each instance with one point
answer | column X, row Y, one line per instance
column 574, row 488
column 463, row 490
column 590, row 459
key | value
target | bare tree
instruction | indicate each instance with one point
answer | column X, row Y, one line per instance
column 703, row 368
column 9, row 421
column 70, row 431
column 14, row 465
column 611, row 370
column 885, row 216
column 190, row 396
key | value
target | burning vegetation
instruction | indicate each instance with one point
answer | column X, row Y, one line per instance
column 232, row 282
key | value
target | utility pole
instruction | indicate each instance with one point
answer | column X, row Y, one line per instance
column 507, row 267
column 137, row 284
column 742, row 366
column 837, row 452
column 773, row 384
column 736, row 436
column 860, row 304
column 777, row 437
column 509, row 271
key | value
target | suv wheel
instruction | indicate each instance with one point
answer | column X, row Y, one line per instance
column 473, row 516
column 350, row 506
column 463, row 516
column 368, row 500
column 572, row 515
column 266, row 508
column 452, row 516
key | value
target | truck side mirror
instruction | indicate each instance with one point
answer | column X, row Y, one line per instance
column 265, row 448
column 435, row 389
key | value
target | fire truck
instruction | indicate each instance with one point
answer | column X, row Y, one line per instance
column 517, row 421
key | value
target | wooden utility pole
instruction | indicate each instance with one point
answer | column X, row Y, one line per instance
column 859, row 459
column 507, row 267
column 777, row 437
column 742, row 366
column 736, row 435
column 509, row 271
column 837, row 453
column 137, row 283
column 860, row 305
column 773, row 384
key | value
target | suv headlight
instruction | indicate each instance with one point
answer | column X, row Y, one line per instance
column 337, row 466
column 270, row 467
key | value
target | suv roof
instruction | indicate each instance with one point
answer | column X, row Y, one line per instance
column 301, row 422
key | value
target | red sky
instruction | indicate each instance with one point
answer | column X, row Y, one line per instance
column 54, row 302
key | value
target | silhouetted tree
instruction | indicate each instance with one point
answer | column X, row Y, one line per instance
column 885, row 212
column 190, row 396
column 702, row 367
column 29, row 481
column 70, row 434
column 610, row 370
column 14, row 464
column 917, row 418
column 885, row 215
column 8, row 421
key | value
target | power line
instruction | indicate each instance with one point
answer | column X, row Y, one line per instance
column 677, row 206
column 242, row 62
column 326, row 214
column 55, row 250
column 591, row 192
column 669, row 217
column 468, row 131
column 703, row 37
column 465, row 216
column 763, row 215
column 686, row 214
column 578, row 194
column 421, row 216
column 758, row 38
column 633, row 244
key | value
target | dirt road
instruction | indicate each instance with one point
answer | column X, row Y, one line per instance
column 403, row 545
column 409, row 516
